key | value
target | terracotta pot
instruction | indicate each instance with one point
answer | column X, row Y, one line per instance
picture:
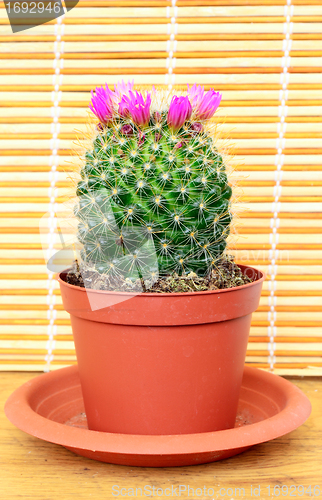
column 161, row 363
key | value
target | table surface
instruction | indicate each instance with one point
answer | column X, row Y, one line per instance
column 37, row 470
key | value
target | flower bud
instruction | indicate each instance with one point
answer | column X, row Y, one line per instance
column 196, row 128
column 179, row 111
column 127, row 130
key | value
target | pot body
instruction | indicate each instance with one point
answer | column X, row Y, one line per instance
column 161, row 363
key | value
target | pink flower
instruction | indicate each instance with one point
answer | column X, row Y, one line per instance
column 102, row 105
column 124, row 110
column 133, row 105
column 122, row 88
column 157, row 117
column 195, row 94
column 180, row 110
column 207, row 104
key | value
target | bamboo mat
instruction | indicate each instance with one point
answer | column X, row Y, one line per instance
column 265, row 57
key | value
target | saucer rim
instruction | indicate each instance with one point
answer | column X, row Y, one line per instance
column 20, row 413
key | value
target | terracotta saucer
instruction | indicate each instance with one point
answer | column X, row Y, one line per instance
column 50, row 407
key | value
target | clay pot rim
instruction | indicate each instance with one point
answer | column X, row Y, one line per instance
column 295, row 412
column 262, row 278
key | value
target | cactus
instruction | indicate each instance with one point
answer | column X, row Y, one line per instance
column 153, row 196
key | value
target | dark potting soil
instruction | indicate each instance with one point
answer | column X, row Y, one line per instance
column 227, row 274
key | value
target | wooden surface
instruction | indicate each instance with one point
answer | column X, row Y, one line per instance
column 34, row 469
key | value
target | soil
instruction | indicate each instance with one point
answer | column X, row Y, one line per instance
column 226, row 275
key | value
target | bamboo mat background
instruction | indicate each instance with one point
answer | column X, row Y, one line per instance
column 265, row 56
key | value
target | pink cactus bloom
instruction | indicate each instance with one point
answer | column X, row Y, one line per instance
column 124, row 107
column 122, row 88
column 134, row 106
column 195, row 94
column 204, row 105
column 157, row 117
column 207, row 105
column 180, row 110
column 102, row 105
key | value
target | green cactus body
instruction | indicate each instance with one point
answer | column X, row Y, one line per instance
column 157, row 199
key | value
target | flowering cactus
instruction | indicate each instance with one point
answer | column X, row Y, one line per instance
column 153, row 179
